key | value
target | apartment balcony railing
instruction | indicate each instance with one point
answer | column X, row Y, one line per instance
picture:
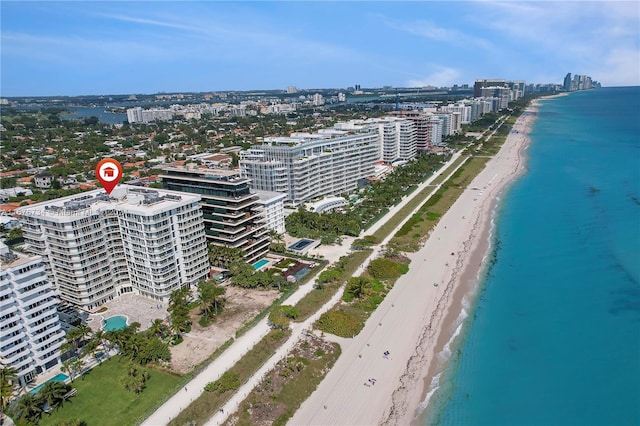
column 34, row 330
column 6, row 339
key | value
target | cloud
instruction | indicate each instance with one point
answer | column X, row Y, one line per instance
column 71, row 50
column 440, row 77
column 427, row 29
column 620, row 67
column 252, row 38
column 600, row 38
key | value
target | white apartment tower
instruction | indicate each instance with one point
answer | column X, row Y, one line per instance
column 30, row 331
column 136, row 240
column 397, row 136
column 306, row 166
column 273, row 204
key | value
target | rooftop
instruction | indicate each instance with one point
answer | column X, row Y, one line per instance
column 142, row 201
column 11, row 259
column 227, row 175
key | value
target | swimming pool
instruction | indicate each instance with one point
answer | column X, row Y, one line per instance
column 259, row 264
column 115, row 323
column 57, row 378
column 300, row 244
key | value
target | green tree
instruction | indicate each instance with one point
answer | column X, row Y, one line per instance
column 209, row 297
column 73, row 367
column 136, row 378
column 179, row 310
column 52, row 393
column 281, row 316
column 356, row 288
column 8, row 385
column 27, row 407
column 159, row 328
column 224, row 257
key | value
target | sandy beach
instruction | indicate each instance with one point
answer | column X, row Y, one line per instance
column 422, row 312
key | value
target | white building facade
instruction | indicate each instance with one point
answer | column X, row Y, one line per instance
column 98, row 247
column 397, row 136
column 273, row 204
column 307, row 166
column 30, row 331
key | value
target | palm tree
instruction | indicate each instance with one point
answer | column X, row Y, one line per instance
column 52, row 393
column 158, row 328
column 28, row 408
column 8, row 384
column 84, row 331
column 216, row 292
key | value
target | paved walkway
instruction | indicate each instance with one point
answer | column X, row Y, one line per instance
column 298, row 329
column 181, row 400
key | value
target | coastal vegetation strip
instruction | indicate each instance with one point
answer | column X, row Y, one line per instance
column 362, row 295
column 218, row 392
column 329, row 282
column 401, row 215
column 286, row 386
column 348, row 317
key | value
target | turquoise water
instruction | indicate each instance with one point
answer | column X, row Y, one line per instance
column 115, row 323
column 259, row 264
column 57, row 378
column 554, row 337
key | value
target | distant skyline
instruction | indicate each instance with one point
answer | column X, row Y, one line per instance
column 98, row 48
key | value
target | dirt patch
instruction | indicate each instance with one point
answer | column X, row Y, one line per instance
column 241, row 305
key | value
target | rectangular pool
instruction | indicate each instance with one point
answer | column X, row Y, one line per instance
column 259, row 264
column 300, row 244
column 57, row 378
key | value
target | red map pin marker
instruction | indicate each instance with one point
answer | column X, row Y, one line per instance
column 109, row 173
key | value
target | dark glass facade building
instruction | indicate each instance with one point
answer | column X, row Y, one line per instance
column 232, row 215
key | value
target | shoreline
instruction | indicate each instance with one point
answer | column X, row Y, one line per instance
column 470, row 274
column 432, row 293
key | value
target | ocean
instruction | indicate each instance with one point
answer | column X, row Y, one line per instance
column 553, row 336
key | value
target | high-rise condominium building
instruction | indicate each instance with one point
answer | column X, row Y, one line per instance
column 397, row 136
column 232, row 214
column 97, row 247
column 30, row 332
column 306, row 166
column 273, row 204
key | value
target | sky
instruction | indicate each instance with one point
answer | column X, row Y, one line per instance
column 72, row 48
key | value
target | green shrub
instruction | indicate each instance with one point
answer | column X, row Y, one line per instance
column 228, row 381
column 340, row 323
column 385, row 269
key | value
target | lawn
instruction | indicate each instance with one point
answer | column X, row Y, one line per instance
column 103, row 400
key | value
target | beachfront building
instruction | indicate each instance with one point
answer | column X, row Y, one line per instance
column 428, row 128
column 306, row 166
column 136, row 241
column 273, row 205
column 232, row 214
column 397, row 136
column 30, row 331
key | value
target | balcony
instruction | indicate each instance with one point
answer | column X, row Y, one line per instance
column 7, row 304
column 46, row 285
column 16, row 350
column 17, row 326
column 5, row 340
column 40, row 308
column 35, row 330
column 53, row 338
